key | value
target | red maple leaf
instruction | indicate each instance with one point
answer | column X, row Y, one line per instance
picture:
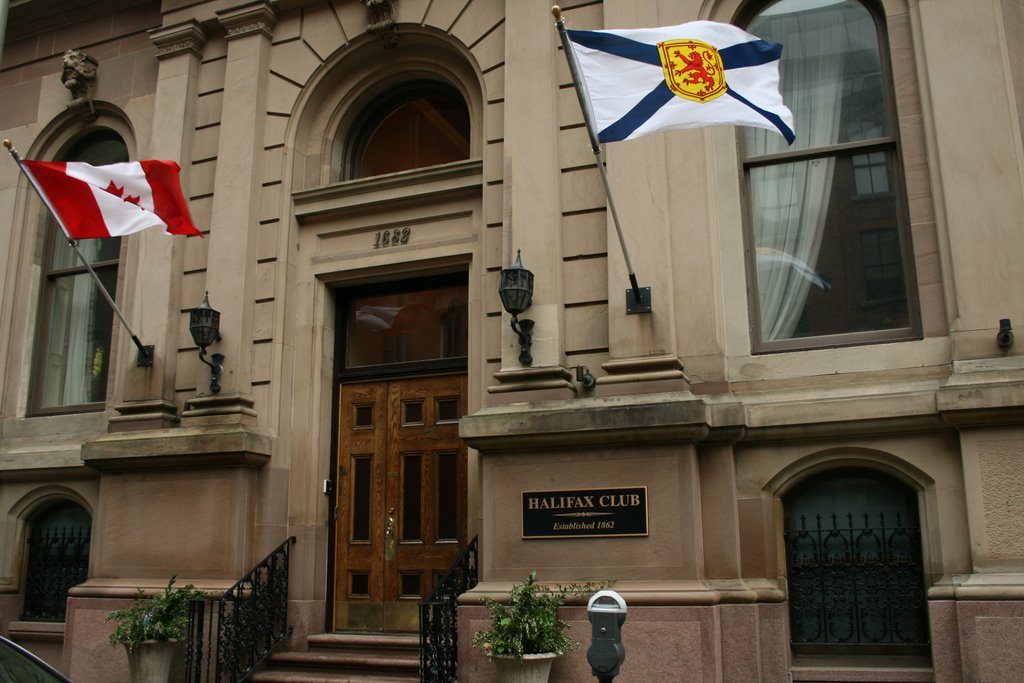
column 119, row 192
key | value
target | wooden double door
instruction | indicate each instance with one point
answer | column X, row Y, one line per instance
column 401, row 498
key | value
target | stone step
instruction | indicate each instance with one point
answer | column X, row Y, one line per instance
column 274, row 676
column 334, row 657
column 366, row 642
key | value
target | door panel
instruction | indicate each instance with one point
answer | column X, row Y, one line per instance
column 402, row 497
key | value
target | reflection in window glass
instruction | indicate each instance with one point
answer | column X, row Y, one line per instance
column 412, row 474
column 413, row 125
column 360, row 585
column 447, row 496
column 811, row 206
column 447, row 410
column 410, row 585
column 360, row 498
column 405, row 327
column 871, row 173
column 413, row 413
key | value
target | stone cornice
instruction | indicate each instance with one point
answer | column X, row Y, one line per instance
column 186, row 37
column 649, row 418
column 657, row 593
column 182, row 447
column 456, row 178
column 244, row 20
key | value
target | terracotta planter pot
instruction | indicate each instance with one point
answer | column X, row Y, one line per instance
column 529, row 669
column 151, row 661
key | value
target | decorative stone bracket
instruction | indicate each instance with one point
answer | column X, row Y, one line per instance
column 382, row 21
column 79, row 77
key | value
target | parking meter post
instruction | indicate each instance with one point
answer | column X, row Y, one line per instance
column 607, row 612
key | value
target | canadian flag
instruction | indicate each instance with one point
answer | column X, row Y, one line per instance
column 115, row 199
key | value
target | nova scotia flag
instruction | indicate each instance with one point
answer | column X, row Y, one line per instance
column 702, row 73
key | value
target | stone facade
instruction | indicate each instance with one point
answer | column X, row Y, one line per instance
column 250, row 97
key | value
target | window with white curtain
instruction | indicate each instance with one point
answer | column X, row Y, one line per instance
column 827, row 211
column 73, row 349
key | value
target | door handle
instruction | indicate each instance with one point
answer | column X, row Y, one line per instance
column 390, row 542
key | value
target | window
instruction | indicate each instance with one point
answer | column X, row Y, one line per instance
column 413, row 125
column 73, row 354
column 827, row 215
column 854, row 566
column 423, row 322
column 58, row 559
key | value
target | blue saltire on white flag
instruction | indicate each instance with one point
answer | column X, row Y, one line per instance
column 702, row 73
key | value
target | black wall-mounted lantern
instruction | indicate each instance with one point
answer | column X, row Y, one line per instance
column 516, row 290
column 204, row 324
column 1004, row 338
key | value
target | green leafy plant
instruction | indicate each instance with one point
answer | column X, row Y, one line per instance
column 529, row 623
column 163, row 616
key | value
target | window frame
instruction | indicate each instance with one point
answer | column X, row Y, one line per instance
column 913, row 503
column 49, row 275
column 35, row 526
column 890, row 144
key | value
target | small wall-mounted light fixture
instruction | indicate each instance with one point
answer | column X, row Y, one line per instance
column 1004, row 337
column 516, row 290
column 204, row 324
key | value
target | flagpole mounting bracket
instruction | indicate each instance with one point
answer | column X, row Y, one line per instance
column 145, row 357
column 638, row 300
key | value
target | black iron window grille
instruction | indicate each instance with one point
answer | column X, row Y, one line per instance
column 230, row 635
column 856, row 584
column 439, row 616
column 58, row 558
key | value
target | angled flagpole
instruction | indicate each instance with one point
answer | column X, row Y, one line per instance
column 145, row 357
column 640, row 302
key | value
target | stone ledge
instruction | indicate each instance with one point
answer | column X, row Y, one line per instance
column 605, row 420
column 998, row 586
column 655, row 594
column 48, row 631
column 855, row 675
column 237, row 446
column 119, row 589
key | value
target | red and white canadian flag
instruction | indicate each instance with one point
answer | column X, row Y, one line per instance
column 115, row 199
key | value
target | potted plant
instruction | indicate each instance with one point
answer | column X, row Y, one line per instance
column 151, row 630
column 526, row 634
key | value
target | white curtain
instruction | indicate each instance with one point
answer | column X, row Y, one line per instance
column 790, row 200
column 73, row 343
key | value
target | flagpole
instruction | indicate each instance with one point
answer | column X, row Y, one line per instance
column 641, row 301
column 145, row 356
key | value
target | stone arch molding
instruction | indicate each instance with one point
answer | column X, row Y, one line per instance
column 14, row 527
column 353, row 76
column 36, row 499
column 818, row 462
column 65, row 129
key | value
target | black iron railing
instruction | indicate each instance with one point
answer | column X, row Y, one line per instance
column 230, row 635
column 58, row 558
column 856, row 581
column 439, row 633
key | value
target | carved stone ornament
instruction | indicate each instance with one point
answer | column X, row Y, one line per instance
column 79, row 77
column 382, row 21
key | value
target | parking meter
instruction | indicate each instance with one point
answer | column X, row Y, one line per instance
column 607, row 612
